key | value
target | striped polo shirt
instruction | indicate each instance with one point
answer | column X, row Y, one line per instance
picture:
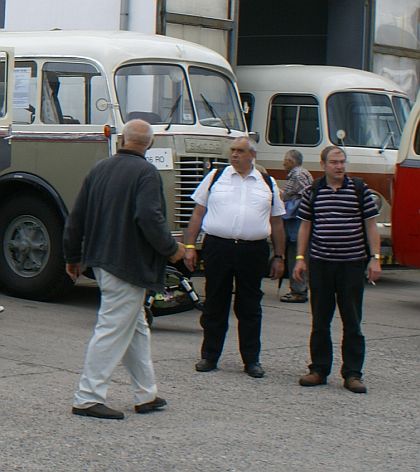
column 337, row 222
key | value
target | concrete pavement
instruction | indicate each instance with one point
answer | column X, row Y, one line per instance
column 222, row 421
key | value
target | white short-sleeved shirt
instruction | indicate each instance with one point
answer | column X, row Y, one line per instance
column 237, row 207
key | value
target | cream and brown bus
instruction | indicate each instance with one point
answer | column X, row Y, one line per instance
column 73, row 92
column 310, row 107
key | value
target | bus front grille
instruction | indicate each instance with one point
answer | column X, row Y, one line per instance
column 189, row 173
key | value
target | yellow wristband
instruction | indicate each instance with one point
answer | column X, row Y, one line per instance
column 300, row 258
column 189, row 246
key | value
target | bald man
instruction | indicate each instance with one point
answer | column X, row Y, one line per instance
column 118, row 227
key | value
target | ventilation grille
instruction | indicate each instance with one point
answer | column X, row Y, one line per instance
column 189, row 173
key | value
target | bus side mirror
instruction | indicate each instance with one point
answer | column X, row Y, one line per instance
column 255, row 135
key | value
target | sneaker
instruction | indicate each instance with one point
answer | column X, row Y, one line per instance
column 312, row 380
column 355, row 385
column 255, row 370
column 1, row 308
column 156, row 404
column 293, row 298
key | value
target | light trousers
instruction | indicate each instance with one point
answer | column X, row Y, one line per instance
column 121, row 334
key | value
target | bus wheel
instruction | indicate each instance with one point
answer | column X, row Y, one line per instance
column 31, row 255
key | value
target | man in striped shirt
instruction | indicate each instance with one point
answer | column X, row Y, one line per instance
column 334, row 227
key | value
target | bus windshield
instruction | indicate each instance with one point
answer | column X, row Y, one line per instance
column 368, row 119
column 159, row 94
column 215, row 99
column 156, row 93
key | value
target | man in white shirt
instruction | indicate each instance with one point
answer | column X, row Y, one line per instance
column 238, row 212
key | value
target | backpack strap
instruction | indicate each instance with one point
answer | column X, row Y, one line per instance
column 216, row 176
column 269, row 182
column 359, row 186
column 316, row 184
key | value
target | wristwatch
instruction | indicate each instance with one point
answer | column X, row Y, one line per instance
column 278, row 256
column 376, row 256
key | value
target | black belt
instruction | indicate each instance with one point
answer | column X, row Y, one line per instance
column 236, row 241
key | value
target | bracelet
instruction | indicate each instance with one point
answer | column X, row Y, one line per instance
column 189, row 246
column 300, row 258
column 278, row 256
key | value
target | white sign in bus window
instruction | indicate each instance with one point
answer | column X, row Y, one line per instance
column 22, row 83
column 161, row 158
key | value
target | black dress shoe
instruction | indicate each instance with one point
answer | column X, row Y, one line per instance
column 254, row 370
column 99, row 410
column 205, row 365
column 156, row 404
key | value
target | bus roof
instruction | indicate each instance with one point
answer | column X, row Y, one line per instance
column 315, row 80
column 109, row 47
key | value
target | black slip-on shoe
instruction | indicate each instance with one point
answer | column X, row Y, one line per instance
column 99, row 410
column 205, row 365
column 156, row 404
column 254, row 370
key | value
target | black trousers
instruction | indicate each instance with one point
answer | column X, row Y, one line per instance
column 245, row 263
column 341, row 283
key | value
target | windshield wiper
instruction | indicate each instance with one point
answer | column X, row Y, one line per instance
column 172, row 112
column 388, row 138
column 214, row 113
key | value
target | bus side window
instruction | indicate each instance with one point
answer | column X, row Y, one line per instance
column 294, row 120
column 417, row 140
column 70, row 92
column 24, row 97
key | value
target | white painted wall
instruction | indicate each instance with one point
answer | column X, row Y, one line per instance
column 79, row 15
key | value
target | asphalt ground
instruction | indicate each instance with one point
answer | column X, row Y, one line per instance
column 222, row 420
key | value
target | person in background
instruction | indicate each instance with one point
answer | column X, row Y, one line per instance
column 118, row 227
column 237, row 213
column 336, row 225
column 297, row 180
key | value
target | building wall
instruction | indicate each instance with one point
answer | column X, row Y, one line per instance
column 282, row 32
column 377, row 35
column 396, row 48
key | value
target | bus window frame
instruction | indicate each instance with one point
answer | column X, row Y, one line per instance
column 294, row 144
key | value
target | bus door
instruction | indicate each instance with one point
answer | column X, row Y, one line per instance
column 6, row 97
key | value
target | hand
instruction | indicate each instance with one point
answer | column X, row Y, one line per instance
column 74, row 270
column 374, row 270
column 300, row 268
column 190, row 259
column 277, row 268
column 179, row 253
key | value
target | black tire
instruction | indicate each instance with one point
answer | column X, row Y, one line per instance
column 31, row 252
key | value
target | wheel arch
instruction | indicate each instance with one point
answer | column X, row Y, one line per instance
column 23, row 182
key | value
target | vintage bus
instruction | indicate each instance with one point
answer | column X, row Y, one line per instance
column 73, row 92
column 406, row 194
column 310, row 107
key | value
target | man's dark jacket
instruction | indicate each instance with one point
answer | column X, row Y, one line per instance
column 118, row 222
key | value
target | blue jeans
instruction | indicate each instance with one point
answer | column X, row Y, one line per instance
column 340, row 283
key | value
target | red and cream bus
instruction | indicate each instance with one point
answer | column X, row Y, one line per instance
column 406, row 194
